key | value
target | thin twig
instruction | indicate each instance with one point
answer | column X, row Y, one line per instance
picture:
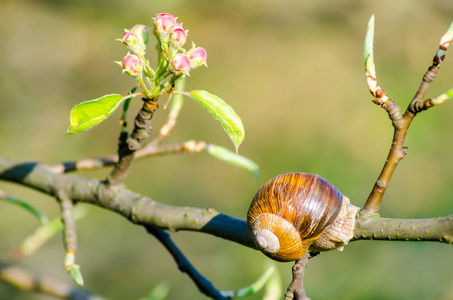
column 296, row 288
column 149, row 149
column 69, row 236
column 69, row 231
column 203, row 284
column 401, row 125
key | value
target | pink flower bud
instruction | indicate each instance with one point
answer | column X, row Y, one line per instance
column 128, row 38
column 139, row 28
column 132, row 65
column 164, row 22
column 198, row 57
column 136, row 39
column 177, row 25
column 178, row 37
column 180, row 64
column 141, row 31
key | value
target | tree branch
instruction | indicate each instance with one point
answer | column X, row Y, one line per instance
column 296, row 288
column 127, row 146
column 144, row 211
column 149, row 149
column 135, row 207
column 400, row 123
column 434, row 229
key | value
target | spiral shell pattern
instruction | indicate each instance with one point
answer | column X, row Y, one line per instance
column 290, row 212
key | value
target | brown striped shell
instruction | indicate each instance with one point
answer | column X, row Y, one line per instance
column 290, row 212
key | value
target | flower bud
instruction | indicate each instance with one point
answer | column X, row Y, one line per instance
column 177, row 25
column 136, row 39
column 129, row 38
column 141, row 31
column 163, row 23
column 198, row 57
column 180, row 64
column 178, row 37
column 132, row 65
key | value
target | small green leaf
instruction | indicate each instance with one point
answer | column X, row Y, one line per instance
column 449, row 93
column 223, row 113
column 72, row 268
column 448, row 36
column 273, row 287
column 368, row 53
column 442, row 98
column 254, row 287
column 233, row 158
column 159, row 292
column 30, row 208
column 76, row 275
column 92, row 112
column 43, row 233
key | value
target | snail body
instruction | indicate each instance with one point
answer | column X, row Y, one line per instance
column 298, row 212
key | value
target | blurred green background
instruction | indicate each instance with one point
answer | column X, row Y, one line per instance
column 293, row 70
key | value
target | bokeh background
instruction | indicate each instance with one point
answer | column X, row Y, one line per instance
column 293, row 70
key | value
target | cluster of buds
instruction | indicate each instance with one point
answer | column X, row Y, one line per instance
column 136, row 40
column 173, row 59
column 171, row 37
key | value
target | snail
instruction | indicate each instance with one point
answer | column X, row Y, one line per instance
column 298, row 212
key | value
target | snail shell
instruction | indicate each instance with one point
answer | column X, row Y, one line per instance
column 294, row 212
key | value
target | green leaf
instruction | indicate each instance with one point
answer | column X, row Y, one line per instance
column 76, row 275
column 368, row 53
column 92, row 112
column 233, row 158
column 30, row 208
column 43, row 233
column 254, row 287
column 442, row 98
column 449, row 93
column 159, row 292
column 223, row 113
column 273, row 287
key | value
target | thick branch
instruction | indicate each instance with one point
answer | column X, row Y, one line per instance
column 144, row 211
column 435, row 229
column 135, row 207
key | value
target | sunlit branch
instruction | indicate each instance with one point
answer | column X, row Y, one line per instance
column 144, row 211
column 402, row 123
column 150, row 149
